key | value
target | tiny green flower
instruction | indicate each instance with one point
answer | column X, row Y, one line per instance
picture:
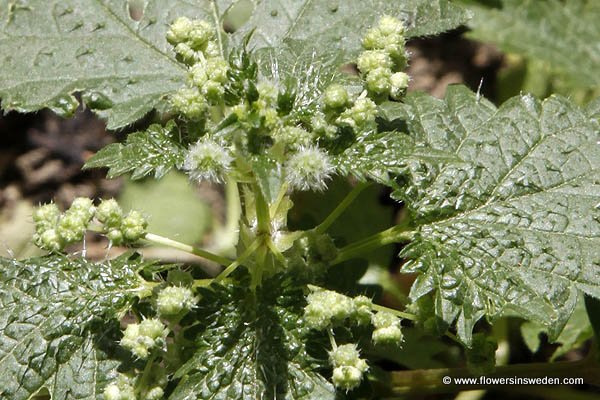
column 293, row 136
column 109, row 213
column 156, row 393
column 46, row 217
column 391, row 26
column 336, row 97
column 190, row 103
column 399, row 82
column 361, row 113
column 179, row 31
column 115, row 236
column 309, row 169
column 173, row 300
column 50, row 240
column 134, row 226
column 372, row 59
column 387, row 328
column 326, row 307
column 346, row 378
column 379, row 81
column 71, row 228
column 120, row 389
column 207, row 160
column 141, row 338
column 348, row 366
column 363, row 306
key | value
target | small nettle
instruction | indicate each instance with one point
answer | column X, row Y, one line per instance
column 258, row 116
column 233, row 117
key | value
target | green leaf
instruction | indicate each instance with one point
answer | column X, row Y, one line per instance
column 57, row 324
column 123, row 67
column 575, row 333
column 562, row 33
column 153, row 151
column 339, row 25
column 379, row 155
column 251, row 346
column 516, row 226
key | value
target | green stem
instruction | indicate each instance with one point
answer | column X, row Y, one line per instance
column 234, row 210
column 163, row 241
column 396, row 234
column 262, row 212
column 350, row 197
column 431, row 381
column 233, row 266
column 398, row 313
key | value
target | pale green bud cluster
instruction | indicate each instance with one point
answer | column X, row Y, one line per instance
column 363, row 112
column 336, row 97
column 207, row 160
column 193, row 39
column 174, row 300
column 120, row 228
column 348, row 367
column 54, row 230
column 309, row 168
column 121, row 389
column 144, row 337
column 195, row 44
column 387, row 328
column 327, row 308
column 383, row 60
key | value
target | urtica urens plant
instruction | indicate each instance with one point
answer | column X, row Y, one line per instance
column 500, row 216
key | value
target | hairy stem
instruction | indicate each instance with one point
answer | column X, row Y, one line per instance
column 233, row 266
column 163, row 241
column 262, row 212
column 396, row 234
column 350, row 197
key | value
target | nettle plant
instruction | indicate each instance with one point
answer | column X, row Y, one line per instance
column 502, row 205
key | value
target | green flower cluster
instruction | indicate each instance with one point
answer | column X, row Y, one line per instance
column 242, row 116
column 384, row 59
column 142, row 338
column 124, row 387
column 174, row 300
column 326, row 309
column 55, row 230
column 348, row 367
column 120, row 228
column 196, row 46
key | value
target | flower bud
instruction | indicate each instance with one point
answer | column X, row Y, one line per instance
column 293, row 136
column 200, row 34
column 399, row 82
column 348, row 366
column 387, row 328
column 326, row 307
column 362, row 112
column 156, row 393
column 121, row 389
column 391, row 26
column 115, row 236
column 335, row 97
column 71, row 228
column 189, row 102
column 207, row 160
column 346, row 378
column 46, row 217
column 373, row 59
column 141, row 338
column 179, row 31
column 379, row 81
column 109, row 213
column 172, row 300
column 83, row 207
column 134, row 226
column 309, row 169
column 50, row 240
column 363, row 306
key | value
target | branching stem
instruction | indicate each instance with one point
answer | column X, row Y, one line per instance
column 163, row 241
column 350, row 197
column 396, row 234
column 233, row 266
